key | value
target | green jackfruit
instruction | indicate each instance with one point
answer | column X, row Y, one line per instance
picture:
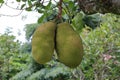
column 43, row 42
column 68, row 45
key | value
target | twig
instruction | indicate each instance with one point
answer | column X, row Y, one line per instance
column 12, row 7
column 1, row 5
column 55, row 1
column 21, row 9
column 42, row 1
column 11, row 15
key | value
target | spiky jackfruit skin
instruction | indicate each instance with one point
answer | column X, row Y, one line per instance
column 68, row 45
column 43, row 42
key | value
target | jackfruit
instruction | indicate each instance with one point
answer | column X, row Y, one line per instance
column 69, row 46
column 43, row 42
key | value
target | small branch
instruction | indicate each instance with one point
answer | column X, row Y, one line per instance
column 11, row 15
column 1, row 5
column 42, row 1
column 55, row 1
column 16, row 9
column 12, row 7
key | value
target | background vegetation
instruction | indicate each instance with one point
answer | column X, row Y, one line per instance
column 101, row 39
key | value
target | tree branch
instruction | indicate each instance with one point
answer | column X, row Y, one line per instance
column 11, row 15
column 12, row 7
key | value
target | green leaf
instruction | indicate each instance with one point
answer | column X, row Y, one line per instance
column 71, row 4
column 48, row 6
column 24, row 0
column 92, row 21
column 40, row 10
column 1, row 1
column 28, row 9
column 33, row 0
column 66, row 0
column 29, row 3
column 22, row 6
column 41, row 19
column 78, row 21
column 18, row 0
column 65, row 16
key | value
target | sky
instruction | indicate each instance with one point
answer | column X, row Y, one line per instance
column 17, row 23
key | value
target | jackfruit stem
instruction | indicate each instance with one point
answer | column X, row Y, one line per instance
column 60, row 9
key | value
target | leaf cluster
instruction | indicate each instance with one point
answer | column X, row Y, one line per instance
column 101, row 47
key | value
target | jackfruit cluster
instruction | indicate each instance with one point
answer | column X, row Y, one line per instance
column 60, row 37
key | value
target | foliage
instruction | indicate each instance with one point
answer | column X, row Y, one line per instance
column 1, row 1
column 50, row 73
column 29, row 29
column 101, row 60
column 11, row 61
column 49, row 10
column 81, row 20
column 37, row 71
column 27, row 71
column 93, row 20
column 25, row 47
column 78, row 22
column 8, row 48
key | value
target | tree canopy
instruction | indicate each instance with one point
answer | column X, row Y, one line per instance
column 61, row 7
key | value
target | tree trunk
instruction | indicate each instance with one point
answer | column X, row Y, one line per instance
column 99, row 6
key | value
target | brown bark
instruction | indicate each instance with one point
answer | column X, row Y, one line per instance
column 101, row 6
